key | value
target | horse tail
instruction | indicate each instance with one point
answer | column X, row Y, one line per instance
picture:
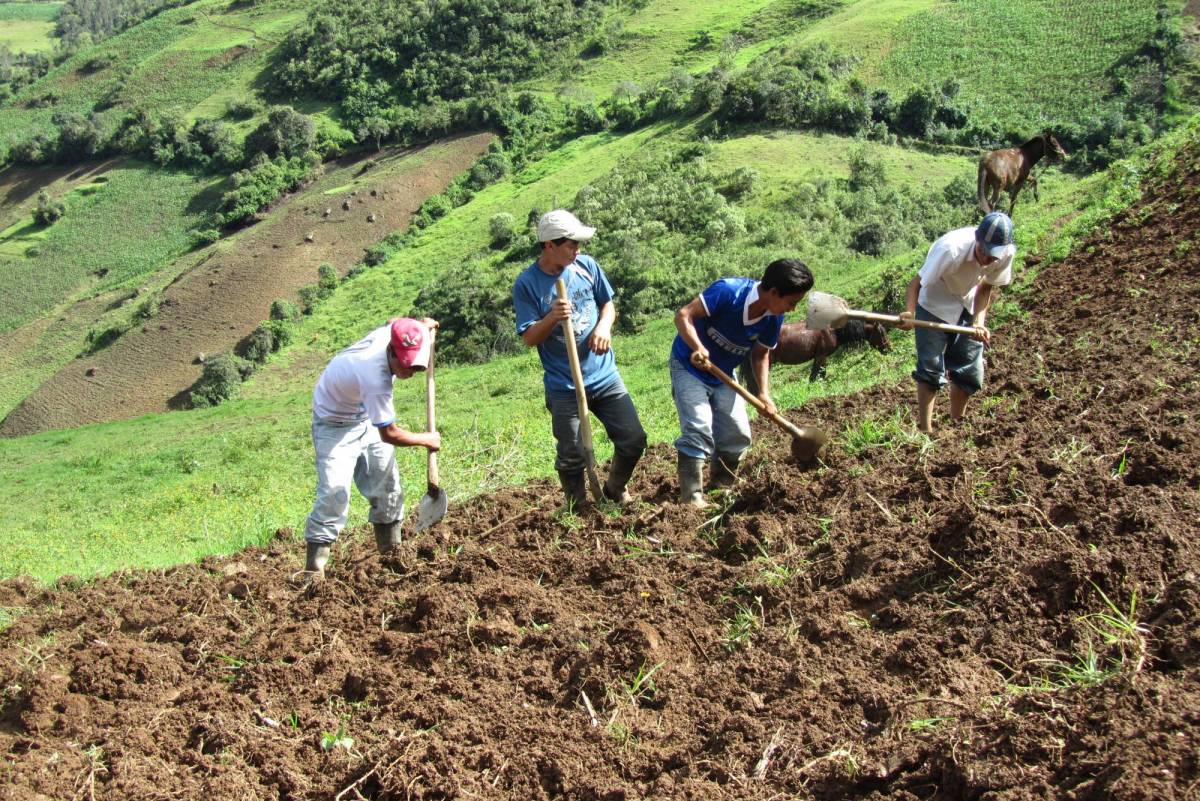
column 981, row 187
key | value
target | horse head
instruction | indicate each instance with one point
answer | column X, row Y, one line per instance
column 1053, row 148
column 877, row 337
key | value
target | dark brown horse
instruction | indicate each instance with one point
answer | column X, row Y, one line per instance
column 1008, row 170
column 797, row 345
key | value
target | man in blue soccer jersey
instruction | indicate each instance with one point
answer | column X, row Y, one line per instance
column 731, row 318
column 589, row 304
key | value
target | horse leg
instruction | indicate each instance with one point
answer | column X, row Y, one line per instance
column 817, row 373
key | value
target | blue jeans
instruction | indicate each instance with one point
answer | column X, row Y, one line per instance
column 711, row 419
column 345, row 453
column 612, row 406
column 957, row 355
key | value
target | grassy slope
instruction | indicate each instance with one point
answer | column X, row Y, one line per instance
column 213, row 480
column 28, row 27
column 1025, row 61
column 179, row 60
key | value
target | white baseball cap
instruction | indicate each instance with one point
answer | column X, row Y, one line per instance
column 562, row 223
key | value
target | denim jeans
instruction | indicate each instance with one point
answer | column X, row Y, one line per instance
column 711, row 419
column 612, row 406
column 345, row 453
column 939, row 354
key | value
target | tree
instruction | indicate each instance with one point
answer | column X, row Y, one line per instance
column 286, row 132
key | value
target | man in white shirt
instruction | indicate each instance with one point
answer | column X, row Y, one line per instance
column 355, row 434
column 957, row 285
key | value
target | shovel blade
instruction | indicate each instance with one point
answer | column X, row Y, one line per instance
column 432, row 508
column 810, row 443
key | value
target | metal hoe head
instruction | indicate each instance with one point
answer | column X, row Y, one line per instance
column 809, row 444
column 826, row 311
column 432, row 508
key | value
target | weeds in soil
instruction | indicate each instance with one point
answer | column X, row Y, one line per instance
column 1119, row 628
column 1123, row 465
column 641, row 687
column 891, row 433
column 634, row 546
column 925, row 724
column 1069, row 453
column 339, row 739
column 741, row 627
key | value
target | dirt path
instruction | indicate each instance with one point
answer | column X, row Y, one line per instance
column 905, row 623
column 216, row 304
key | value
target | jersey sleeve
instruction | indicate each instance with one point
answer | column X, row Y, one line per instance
column 716, row 296
column 601, row 289
column 525, row 305
column 769, row 337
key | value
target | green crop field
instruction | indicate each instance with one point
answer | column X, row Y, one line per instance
column 28, row 27
column 1023, row 62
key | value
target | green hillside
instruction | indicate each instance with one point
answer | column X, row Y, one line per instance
column 28, row 27
column 703, row 139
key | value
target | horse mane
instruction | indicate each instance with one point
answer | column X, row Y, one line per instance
column 854, row 332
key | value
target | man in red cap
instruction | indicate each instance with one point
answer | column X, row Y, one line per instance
column 355, row 433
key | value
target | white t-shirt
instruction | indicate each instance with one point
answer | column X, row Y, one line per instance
column 357, row 384
column 950, row 275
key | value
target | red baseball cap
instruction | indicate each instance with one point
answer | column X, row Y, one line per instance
column 410, row 343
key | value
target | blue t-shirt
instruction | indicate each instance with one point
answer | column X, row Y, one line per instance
column 534, row 292
column 728, row 332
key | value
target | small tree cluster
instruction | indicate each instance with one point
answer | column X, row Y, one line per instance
column 48, row 211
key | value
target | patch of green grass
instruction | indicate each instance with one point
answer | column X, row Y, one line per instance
column 145, row 215
column 28, row 27
column 1024, row 61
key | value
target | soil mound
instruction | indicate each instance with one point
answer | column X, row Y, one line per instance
column 1010, row 613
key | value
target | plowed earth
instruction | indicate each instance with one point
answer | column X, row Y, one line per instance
column 904, row 622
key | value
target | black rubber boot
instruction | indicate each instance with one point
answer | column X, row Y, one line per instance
column 691, row 481
column 724, row 470
column 619, row 473
column 575, row 489
column 317, row 557
column 387, row 535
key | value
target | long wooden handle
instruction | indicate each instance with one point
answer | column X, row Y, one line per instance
column 430, row 415
column 894, row 319
column 753, row 400
column 585, row 422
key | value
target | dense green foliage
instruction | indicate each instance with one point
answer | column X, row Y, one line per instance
column 374, row 55
column 81, row 22
column 254, row 188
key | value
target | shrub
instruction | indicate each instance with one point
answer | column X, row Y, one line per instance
column 48, row 211
column 204, row 237
column 284, row 310
column 241, row 108
column 309, row 297
column 376, row 255
column 327, row 279
column 257, row 186
column 501, row 227
column 286, row 132
column 218, row 381
column 260, row 344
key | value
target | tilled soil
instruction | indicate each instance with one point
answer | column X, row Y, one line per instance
column 1008, row 613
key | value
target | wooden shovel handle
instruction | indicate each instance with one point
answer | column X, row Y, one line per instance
column 430, row 414
column 753, row 400
column 585, row 422
column 894, row 319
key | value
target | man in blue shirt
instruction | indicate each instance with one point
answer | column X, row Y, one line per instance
column 733, row 317
column 589, row 304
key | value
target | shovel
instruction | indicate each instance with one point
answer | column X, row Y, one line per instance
column 434, row 501
column 830, row 311
column 585, row 423
column 807, row 442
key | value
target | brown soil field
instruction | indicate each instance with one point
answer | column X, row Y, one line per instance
column 905, row 622
column 228, row 290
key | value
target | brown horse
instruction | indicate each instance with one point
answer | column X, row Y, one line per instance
column 1009, row 170
column 797, row 345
